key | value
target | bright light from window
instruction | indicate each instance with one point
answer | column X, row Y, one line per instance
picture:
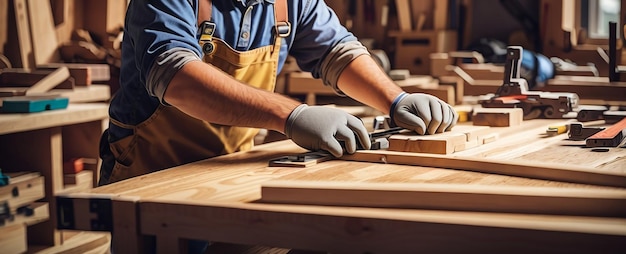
column 601, row 12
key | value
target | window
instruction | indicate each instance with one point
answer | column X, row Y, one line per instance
column 599, row 14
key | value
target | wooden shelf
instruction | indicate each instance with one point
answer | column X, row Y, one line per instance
column 41, row 142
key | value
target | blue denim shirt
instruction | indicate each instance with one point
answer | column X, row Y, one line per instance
column 153, row 27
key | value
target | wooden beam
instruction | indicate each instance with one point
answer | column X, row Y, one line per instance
column 510, row 199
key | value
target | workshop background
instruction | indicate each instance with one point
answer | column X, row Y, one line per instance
column 65, row 55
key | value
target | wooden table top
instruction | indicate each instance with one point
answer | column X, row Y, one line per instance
column 224, row 194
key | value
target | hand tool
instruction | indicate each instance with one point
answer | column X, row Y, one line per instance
column 378, row 139
column 578, row 133
column 590, row 113
column 514, row 93
column 613, row 116
column 609, row 137
column 556, row 130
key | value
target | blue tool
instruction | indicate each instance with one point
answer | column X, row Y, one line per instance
column 32, row 103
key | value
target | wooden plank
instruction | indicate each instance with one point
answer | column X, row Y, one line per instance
column 97, row 72
column 441, row 15
column 462, row 197
column 82, row 75
column 80, row 182
column 13, row 239
column 590, row 88
column 75, row 113
column 92, row 93
column 461, row 137
column 83, row 242
column 29, row 78
column 50, row 81
column 548, row 171
column 498, row 117
column 23, row 34
column 23, row 188
column 404, row 15
column 444, row 92
column 43, row 34
column 377, row 230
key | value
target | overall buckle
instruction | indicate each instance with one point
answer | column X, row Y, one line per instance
column 283, row 28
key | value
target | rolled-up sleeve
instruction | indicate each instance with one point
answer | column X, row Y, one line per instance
column 158, row 29
column 322, row 45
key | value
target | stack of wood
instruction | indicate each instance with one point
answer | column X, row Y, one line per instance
column 19, row 209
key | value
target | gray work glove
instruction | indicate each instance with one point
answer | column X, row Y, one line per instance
column 317, row 127
column 422, row 113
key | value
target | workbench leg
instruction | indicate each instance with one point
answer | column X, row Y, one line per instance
column 125, row 236
column 166, row 244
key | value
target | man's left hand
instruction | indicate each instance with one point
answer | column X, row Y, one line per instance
column 423, row 113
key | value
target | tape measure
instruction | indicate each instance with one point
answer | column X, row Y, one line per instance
column 206, row 30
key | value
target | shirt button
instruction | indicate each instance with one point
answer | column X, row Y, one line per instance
column 245, row 35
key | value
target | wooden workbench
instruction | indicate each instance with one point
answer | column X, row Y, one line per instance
column 220, row 199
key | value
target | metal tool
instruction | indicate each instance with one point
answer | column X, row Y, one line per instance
column 514, row 93
column 578, row 132
column 378, row 139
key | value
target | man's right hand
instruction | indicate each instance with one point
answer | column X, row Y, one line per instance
column 318, row 127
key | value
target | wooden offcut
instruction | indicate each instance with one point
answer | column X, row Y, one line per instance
column 37, row 81
column 458, row 139
column 498, row 117
column 93, row 72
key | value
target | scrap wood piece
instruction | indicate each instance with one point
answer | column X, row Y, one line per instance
column 605, row 202
column 97, row 72
column 82, row 50
column 40, row 80
column 609, row 137
column 461, row 137
column 497, row 117
column 50, row 81
column 442, row 143
column 546, row 171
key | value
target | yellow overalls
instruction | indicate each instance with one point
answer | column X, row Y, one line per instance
column 170, row 138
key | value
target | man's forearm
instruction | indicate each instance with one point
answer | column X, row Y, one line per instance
column 206, row 93
column 364, row 81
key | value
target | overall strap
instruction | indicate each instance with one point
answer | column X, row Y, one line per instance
column 204, row 10
column 283, row 27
